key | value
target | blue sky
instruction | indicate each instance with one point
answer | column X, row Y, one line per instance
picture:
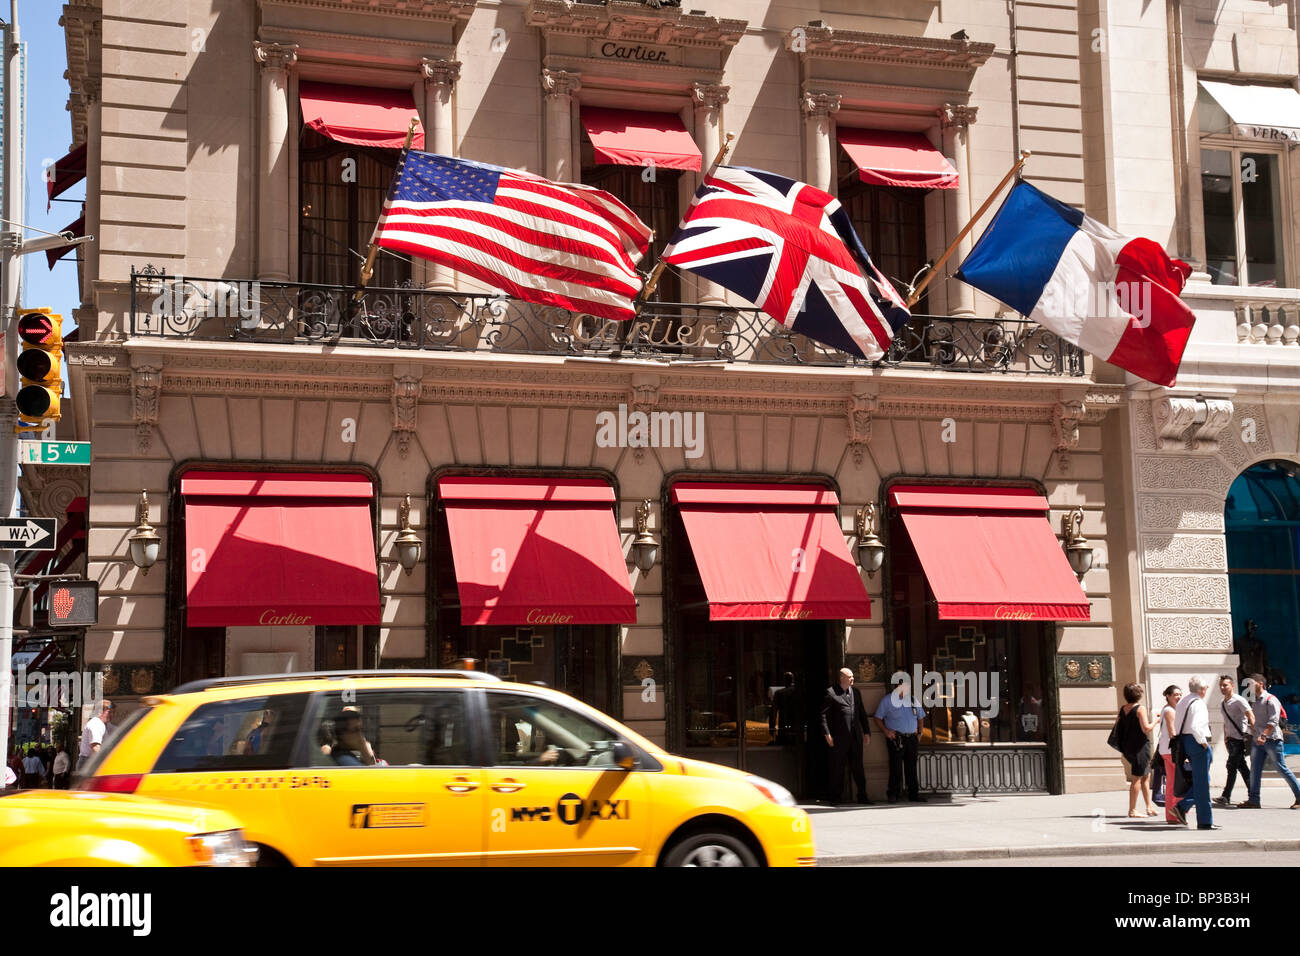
column 49, row 134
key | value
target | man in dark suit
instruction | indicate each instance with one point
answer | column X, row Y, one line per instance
column 844, row 724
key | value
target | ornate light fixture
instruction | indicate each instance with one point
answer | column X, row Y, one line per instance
column 645, row 549
column 870, row 550
column 143, row 539
column 408, row 543
column 1077, row 548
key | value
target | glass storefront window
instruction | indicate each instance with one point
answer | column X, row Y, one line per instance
column 1262, row 522
column 575, row 658
column 983, row 682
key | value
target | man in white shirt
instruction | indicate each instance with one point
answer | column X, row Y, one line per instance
column 95, row 731
column 33, row 771
column 62, row 764
column 1192, row 720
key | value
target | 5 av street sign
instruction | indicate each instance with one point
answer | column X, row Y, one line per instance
column 54, row 453
column 28, row 534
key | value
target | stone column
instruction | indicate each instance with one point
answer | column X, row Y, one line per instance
column 90, row 96
column 708, row 99
column 560, row 86
column 955, row 122
column 440, row 78
column 273, row 220
column 820, row 162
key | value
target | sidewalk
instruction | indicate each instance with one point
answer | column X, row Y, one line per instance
column 1035, row 826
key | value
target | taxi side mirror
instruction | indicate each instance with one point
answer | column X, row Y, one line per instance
column 624, row 756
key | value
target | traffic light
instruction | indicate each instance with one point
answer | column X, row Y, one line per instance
column 41, row 332
column 74, row 603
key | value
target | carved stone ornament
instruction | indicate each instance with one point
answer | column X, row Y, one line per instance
column 440, row 72
column 957, row 115
column 146, row 387
column 406, row 400
column 560, row 83
column 821, row 103
column 644, row 397
column 1073, row 669
column 861, row 406
column 1191, row 424
column 1065, row 428
column 644, row 669
column 275, row 56
column 709, row 95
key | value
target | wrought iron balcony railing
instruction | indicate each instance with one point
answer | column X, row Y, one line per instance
column 296, row 313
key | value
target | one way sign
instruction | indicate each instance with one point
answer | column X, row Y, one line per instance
column 28, row 534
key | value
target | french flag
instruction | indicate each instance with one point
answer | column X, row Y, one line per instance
column 1113, row 296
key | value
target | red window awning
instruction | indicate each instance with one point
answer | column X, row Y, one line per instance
column 537, row 551
column 640, row 138
column 989, row 553
column 78, row 229
column 65, row 174
column 887, row 157
column 279, row 549
column 772, row 552
column 360, row 115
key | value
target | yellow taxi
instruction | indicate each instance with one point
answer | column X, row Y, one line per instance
column 65, row 828
column 442, row 768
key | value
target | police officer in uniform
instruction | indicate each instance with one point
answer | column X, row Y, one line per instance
column 845, row 726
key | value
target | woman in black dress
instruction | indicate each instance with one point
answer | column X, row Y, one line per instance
column 1135, row 747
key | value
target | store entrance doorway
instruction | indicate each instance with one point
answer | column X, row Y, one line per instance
column 750, row 696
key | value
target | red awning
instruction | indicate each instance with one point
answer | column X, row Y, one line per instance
column 78, row 229
column 771, row 552
column 65, row 174
column 537, row 551
column 640, row 138
column 279, row 549
column 989, row 553
column 887, row 157
column 360, row 115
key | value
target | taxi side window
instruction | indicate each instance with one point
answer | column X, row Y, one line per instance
column 255, row 733
column 378, row 728
column 530, row 731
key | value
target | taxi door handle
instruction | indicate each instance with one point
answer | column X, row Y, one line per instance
column 508, row 786
column 462, row 785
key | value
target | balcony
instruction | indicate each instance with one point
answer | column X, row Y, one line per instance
column 287, row 313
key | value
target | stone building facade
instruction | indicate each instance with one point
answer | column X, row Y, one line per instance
column 203, row 177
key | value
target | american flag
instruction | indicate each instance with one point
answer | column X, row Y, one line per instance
column 557, row 244
column 790, row 249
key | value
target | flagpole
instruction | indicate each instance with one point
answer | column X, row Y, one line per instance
column 369, row 268
column 934, row 270
column 653, row 280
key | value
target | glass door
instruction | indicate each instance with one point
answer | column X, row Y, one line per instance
column 750, row 689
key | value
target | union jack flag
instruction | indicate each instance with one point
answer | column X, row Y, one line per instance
column 560, row 244
column 790, row 249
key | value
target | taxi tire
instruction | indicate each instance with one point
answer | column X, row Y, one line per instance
column 266, row 856
column 696, row 849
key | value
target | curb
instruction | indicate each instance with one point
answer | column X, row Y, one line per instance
column 1032, row 852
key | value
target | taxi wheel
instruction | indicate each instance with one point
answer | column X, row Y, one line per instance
column 710, row 849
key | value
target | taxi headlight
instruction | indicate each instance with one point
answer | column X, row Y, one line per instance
column 773, row 791
column 222, row 848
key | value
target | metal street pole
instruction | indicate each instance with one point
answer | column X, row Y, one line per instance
column 10, row 271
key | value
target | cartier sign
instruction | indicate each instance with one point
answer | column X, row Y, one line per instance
column 1005, row 613
column 275, row 618
column 632, row 52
